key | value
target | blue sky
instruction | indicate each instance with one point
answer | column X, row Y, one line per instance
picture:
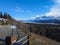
column 27, row 9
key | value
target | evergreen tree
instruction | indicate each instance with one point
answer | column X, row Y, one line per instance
column 1, row 16
column 5, row 15
column 9, row 17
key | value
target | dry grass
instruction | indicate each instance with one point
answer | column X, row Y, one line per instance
column 41, row 40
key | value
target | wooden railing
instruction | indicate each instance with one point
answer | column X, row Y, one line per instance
column 22, row 41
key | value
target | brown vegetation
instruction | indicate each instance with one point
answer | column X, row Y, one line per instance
column 48, row 30
column 41, row 40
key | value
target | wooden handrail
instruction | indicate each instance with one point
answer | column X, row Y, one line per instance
column 21, row 39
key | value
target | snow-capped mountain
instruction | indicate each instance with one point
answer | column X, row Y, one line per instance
column 46, row 19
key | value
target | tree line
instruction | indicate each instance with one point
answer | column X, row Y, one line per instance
column 48, row 30
column 5, row 15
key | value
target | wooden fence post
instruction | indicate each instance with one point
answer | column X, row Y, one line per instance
column 28, row 40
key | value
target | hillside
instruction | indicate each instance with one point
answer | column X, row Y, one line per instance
column 8, row 19
column 41, row 40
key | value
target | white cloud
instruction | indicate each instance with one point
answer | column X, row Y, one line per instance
column 55, row 10
column 33, row 17
column 46, row 7
column 57, row 1
column 37, row 15
column 18, row 9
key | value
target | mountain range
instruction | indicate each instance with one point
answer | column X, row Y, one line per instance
column 45, row 19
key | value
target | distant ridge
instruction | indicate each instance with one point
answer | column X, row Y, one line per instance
column 45, row 19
